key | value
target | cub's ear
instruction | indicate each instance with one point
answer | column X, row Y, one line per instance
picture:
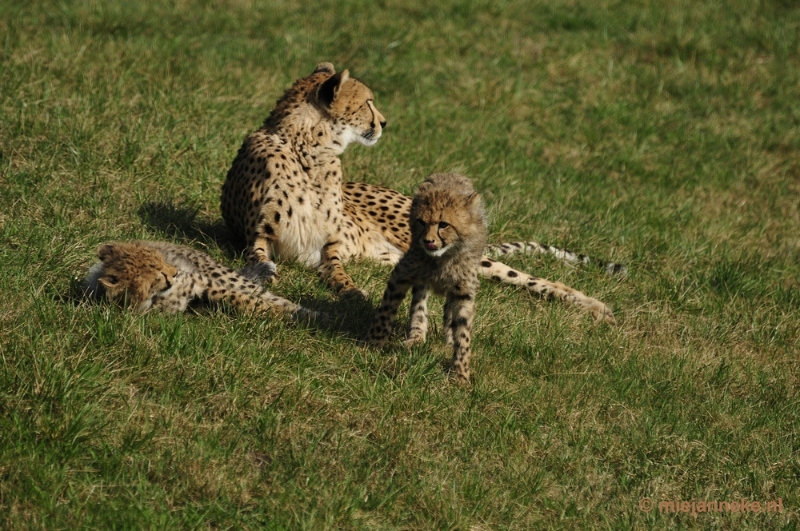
column 328, row 91
column 474, row 200
column 108, row 281
column 424, row 185
column 105, row 251
column 324, row 67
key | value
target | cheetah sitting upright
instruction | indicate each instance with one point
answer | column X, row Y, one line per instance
column 448, row 237
column 284, row 191
column 284, row 194
column 165, row 276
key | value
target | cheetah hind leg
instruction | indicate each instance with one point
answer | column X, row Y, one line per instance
column 546, row 289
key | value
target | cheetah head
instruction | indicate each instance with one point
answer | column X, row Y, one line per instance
column 134, row 275
column 446, row 215
column 350, row 105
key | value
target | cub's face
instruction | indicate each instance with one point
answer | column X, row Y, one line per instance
column 446, row 216
column 351, row 105
column 134, row 275
column 435, row 233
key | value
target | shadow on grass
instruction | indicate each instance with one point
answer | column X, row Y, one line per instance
column 180, row 222
column 74, row 295
column 350, row 317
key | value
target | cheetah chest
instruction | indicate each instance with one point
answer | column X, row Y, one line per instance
column 304, row 210
column 303, row 239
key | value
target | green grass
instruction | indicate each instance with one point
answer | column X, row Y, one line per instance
column 665, row 135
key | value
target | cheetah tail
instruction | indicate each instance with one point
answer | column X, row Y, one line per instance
column 545, row 289
column 502, row 249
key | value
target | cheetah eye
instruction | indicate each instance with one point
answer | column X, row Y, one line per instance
column 443, row 224
column 166, row 280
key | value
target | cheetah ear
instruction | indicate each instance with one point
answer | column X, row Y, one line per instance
column 105, row 251
column 424, row 185
column 474, row 200
column 328, row 91
column 324, row 67
column 109, row 281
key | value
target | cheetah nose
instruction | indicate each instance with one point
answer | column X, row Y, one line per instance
column 383, row 124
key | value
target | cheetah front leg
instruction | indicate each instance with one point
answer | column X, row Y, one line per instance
column 459, row 331
column 268, row 303
column 248, row 297
column 545, row 288
column 330, row 269
column 446, row 321
column 418, row 323
column 396, row 290
column 257, row 257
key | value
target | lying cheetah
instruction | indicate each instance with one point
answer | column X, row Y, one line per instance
column 284, row 194
column 448, row 238
column 169, row 277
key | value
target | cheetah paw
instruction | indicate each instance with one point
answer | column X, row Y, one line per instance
column 260, row 271
column 603, row 314
column 372, row 344
column 413, row 340
column 460, row 377
column 310, row 317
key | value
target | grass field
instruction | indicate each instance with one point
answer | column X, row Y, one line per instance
column 665, row 135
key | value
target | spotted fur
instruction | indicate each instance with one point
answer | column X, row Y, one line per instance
column 146, row 275
column 284, row 193
column 448, row 235
column 383, row 212
column 530, row 247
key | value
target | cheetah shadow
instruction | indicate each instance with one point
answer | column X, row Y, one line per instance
column 180, row 222
column 348, row 317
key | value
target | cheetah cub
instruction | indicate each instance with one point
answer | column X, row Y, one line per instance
column 145, row 275
column 448, row 234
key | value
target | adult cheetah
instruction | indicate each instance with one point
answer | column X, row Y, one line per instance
column 284, row 193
